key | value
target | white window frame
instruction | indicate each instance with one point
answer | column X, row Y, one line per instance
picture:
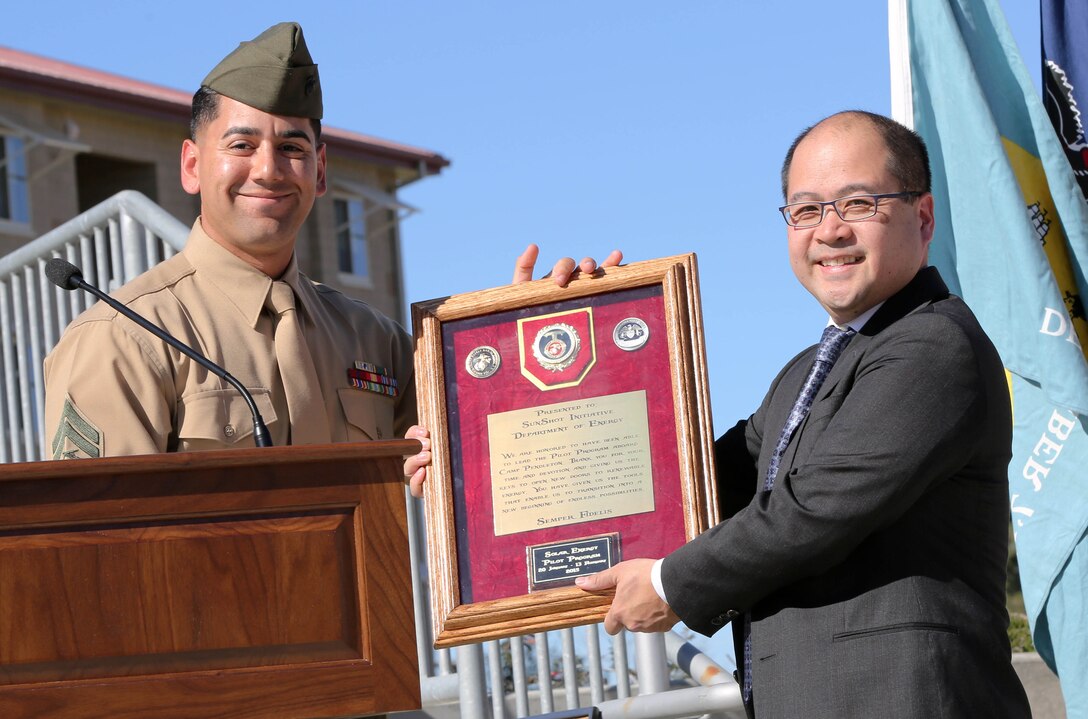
column 359, row 235
column 64, row 148
column 382, row 211
column 15, row 183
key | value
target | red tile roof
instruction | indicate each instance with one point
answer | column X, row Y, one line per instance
column 28, row 72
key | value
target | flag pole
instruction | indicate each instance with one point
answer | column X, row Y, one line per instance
column 899, row 54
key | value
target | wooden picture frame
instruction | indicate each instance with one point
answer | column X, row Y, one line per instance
column 570, row 429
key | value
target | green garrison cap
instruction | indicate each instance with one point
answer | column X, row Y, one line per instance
column 273, row 72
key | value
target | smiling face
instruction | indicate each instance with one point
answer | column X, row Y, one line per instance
column 257, row 175
column 850, row 267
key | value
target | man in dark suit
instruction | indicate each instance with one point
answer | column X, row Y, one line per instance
column 862, row 558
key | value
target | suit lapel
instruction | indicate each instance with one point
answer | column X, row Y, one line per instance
column 844, row 369
column 927, row 286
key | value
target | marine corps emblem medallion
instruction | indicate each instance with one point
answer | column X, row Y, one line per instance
column 555, row 347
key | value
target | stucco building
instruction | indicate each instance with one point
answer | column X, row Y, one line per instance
column 71, row 137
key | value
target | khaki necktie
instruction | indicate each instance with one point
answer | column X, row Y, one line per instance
column 309, row 422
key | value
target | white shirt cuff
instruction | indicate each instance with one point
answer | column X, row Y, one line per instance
column 655, row 579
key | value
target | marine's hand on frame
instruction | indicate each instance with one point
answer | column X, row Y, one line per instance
column 416, row 465
column 564, row 268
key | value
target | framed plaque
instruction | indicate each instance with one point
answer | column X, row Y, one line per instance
column 570, row 430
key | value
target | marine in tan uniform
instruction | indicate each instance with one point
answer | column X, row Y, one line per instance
column 256, row 160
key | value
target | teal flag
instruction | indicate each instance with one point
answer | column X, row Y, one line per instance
column 1012, row 240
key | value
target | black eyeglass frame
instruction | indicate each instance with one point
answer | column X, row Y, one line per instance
column 876, row 197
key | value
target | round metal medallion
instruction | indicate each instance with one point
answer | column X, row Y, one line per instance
column 556, row 347
column 631, row 334
column 483, row 362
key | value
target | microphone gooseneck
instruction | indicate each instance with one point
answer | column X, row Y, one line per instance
column 68, row 277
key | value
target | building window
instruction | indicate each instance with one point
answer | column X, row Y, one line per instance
column 14, row 206
column 351, row 235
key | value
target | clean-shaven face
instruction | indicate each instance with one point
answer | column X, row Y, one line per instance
column 850, row 267
column 257, row 175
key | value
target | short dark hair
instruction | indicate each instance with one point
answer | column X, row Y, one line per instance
column 206, row 108
column 908, row 158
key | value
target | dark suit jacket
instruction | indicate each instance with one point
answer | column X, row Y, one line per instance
column 874, row 571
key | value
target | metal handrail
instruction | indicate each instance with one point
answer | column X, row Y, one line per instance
column 111, row 243
column 130, row 203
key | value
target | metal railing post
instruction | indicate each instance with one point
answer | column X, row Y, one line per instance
column 653, row 672
column 470, row 672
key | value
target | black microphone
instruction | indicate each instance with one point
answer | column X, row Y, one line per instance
column 67, row 276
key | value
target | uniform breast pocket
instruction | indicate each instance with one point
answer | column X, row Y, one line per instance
column 368, row 414
column 220, row 418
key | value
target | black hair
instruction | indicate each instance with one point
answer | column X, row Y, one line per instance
column 206, row 108
column 908, row 158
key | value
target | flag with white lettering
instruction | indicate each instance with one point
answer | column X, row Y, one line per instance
column 1012, row 240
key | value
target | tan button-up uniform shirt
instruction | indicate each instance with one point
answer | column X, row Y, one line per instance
column 112, row 388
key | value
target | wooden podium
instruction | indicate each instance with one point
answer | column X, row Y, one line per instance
column 270, row 583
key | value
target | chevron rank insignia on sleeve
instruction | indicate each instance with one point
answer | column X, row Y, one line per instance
column 76, row 437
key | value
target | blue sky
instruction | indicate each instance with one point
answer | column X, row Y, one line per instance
column 657, row 128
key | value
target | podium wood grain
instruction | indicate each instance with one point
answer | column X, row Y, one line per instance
column 270, row 583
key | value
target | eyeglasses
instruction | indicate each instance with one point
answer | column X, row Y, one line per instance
column 851, row 209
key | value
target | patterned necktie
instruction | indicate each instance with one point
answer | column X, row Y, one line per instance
column 306, row 407
column 831, row 345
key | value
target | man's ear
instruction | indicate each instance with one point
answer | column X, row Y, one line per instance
column 322, row 182
column 925, row 217
column 190, row 175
